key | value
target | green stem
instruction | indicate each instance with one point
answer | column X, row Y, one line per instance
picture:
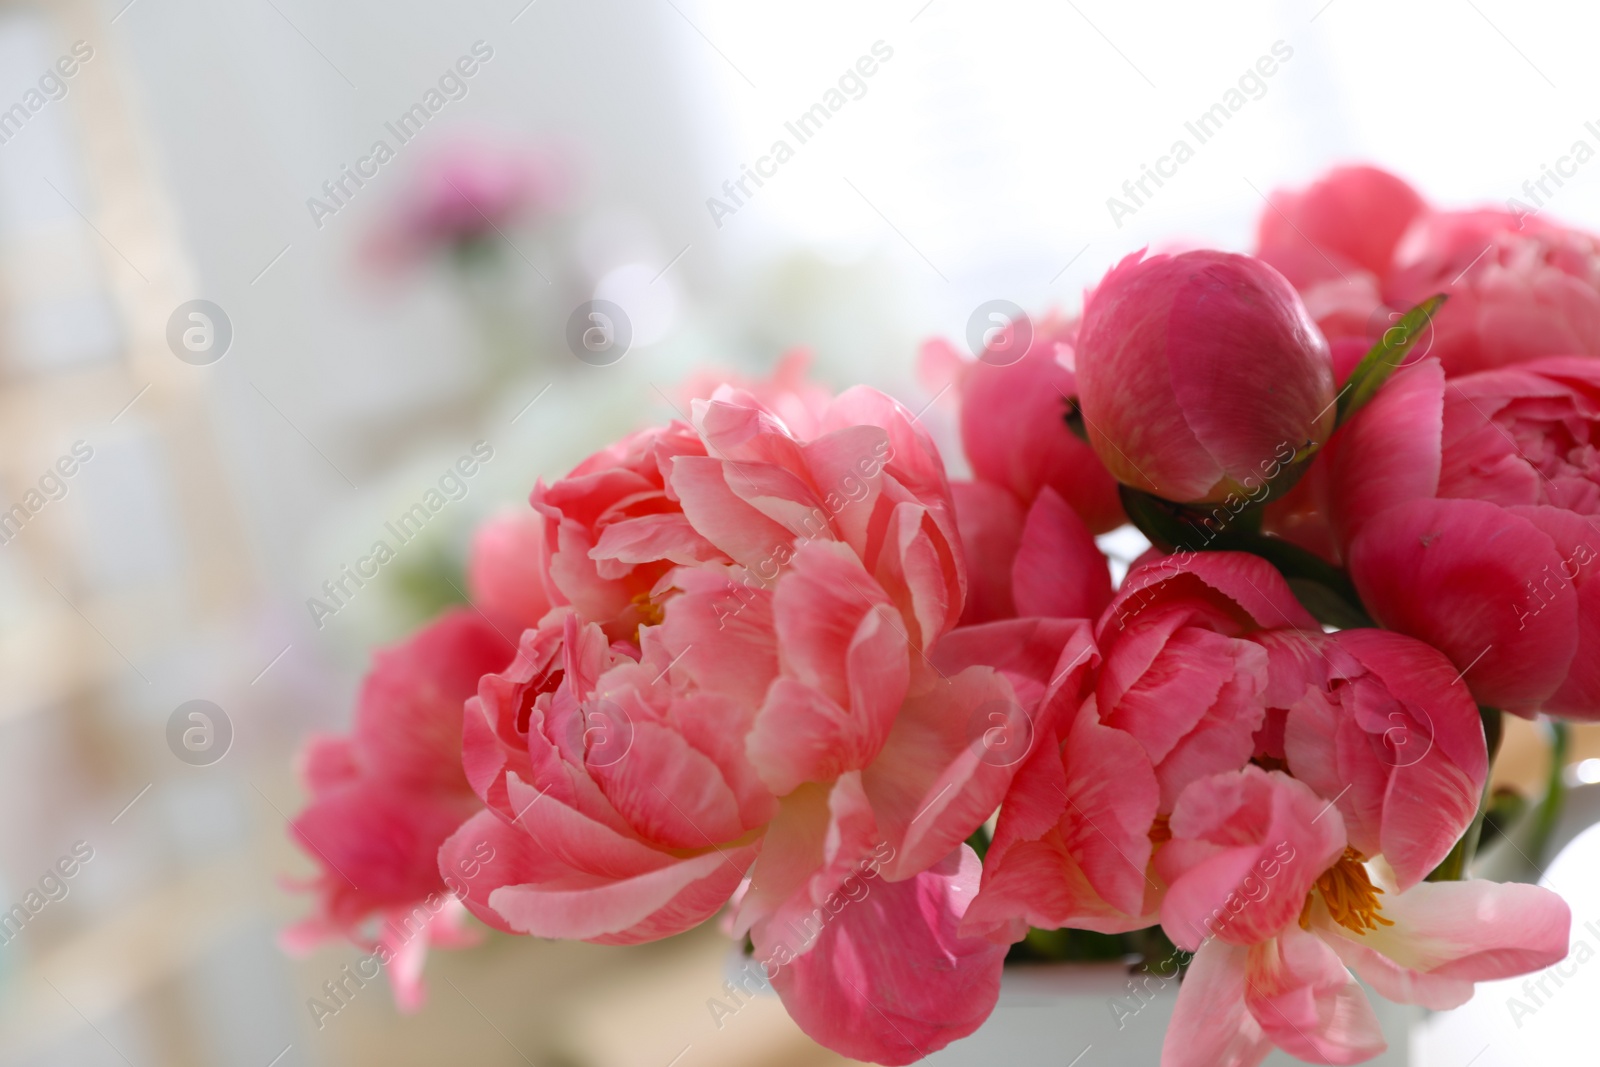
column 1384, row 357
column 980, row 841
column 1176, row 527
column 1454, row 867
column 1555, row 792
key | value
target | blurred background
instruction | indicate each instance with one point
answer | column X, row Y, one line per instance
column 255, row 337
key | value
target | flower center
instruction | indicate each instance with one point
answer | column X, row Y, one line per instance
column 1160, row 832
column 1350, row 896
column 650, row 612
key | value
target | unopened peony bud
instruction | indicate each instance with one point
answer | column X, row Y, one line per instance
column 1201, row 377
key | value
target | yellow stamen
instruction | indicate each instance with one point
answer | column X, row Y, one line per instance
column 650, row 613
column 1350, row 896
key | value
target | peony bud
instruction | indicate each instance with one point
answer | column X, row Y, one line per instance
column 1201, row 376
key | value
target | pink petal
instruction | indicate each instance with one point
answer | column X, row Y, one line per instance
column 1306, row 1002
column 1014, row 430
column 890, row 979
column 506, row 568
column 408, row 716
column 1059, row 571
column 1389, row 453
column 1246, row 849
column 643, row 908
column 650, row 538
column 1448, row 935
column 935, row 782
column 845, row 667
column 720, row 632
column 712, row 493
column 990, row 521
column 1453, row 573
column 1210, row 1026
column 1577, row 541
column 1072, row 843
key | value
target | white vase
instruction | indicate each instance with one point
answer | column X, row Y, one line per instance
column 1087, row 1015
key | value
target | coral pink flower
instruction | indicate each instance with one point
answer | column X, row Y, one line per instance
column 1520, row 288
column 1341, row 227
column 505, row 571
column 1382, row 723
column 618, row 810
column 1182, row 672
column 1014, row 420
column 1275, row 906
column 1471, row 514
column 1200, row 375
column 780, row 725
column 387, row 796
column 1073, row 840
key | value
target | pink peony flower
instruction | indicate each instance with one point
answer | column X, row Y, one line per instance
column 1073, row 841
column 778, row 729
column 1274, row 904
column 1201, row 375
column 1520, row 288
column 1470, row 511
column 387, row 796
column 1013, row 420
column 1183, row 672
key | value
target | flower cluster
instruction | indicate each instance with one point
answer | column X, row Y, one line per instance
column 770, row 661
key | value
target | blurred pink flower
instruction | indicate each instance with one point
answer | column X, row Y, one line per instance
column 1520, row 288
column 385, row 797
column 469, row 191
column 506, row 568
column 1344, row 226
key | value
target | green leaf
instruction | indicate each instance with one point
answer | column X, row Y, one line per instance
column 1385, row 357
column 1073, row 417
column 1325, row 590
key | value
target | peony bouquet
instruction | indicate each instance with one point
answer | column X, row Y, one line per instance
column 769, row 662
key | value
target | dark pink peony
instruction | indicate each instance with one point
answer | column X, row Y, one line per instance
column 1470, row 512
column 1201, row 375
